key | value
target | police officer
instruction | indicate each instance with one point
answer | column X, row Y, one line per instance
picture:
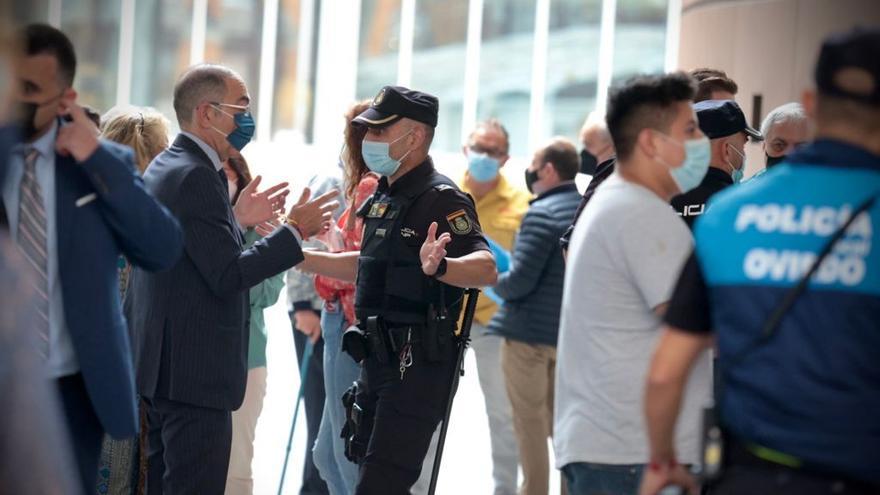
column 422, row 245
column 799, row 371
column 724, row 123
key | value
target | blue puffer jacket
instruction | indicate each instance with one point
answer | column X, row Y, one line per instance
column 532, row 289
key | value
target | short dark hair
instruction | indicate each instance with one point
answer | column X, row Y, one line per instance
column 710, row 80
column 564, row 157
column 199, row 83
column 645, row 102
column 39, row 39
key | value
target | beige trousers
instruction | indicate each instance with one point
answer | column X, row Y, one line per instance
column 528, row 375
column 239, row 480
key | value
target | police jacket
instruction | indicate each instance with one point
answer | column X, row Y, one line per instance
column 390, row 281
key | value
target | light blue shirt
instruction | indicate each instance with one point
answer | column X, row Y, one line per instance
column 215, row 160
column 62, row 357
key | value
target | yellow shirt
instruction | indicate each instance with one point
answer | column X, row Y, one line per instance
column 499, row 212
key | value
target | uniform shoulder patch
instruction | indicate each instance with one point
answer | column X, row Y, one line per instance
column 443, row 187
column 460, row 223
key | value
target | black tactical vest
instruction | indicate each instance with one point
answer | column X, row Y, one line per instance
column 390, row 281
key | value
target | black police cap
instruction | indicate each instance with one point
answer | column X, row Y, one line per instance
column 722, row 118
column 396, row 102
column 849, row 66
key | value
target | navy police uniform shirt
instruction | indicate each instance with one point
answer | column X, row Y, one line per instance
column 813, row 390
column 692, row 204
column 452, row 209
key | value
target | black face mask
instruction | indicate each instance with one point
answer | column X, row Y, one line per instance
column 531, row 178
column 588, row 162
column 27, row 112
column 774, row 160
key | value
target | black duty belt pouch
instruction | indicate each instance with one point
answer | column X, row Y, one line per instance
column 354, row 343
column 376, row 338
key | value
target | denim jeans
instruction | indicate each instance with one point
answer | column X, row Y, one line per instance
column 586, row 478
column 340, row 371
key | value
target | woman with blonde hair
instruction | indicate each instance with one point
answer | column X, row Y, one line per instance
column 122, row 468
column 143, row 129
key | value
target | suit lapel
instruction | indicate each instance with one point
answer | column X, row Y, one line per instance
column 65, row 203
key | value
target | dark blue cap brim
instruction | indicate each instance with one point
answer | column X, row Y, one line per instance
column 374, row 118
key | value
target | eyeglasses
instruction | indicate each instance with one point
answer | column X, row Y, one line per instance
column 230, row 105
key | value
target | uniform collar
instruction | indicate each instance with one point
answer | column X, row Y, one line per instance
column 715, row 174
column 413, row 177
column 826, row 151
column 566, row 186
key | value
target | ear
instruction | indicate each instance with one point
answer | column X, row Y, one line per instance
column 69, row 95
column 646, row 142
column 503, row 160
column 201, row 115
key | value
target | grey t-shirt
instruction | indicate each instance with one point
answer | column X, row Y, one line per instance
column 626, row 253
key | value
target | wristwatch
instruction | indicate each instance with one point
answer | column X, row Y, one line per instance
column 441, row 269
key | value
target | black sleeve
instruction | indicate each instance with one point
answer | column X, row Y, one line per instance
column 604, row 170
column 451, row 211
column 689, row 307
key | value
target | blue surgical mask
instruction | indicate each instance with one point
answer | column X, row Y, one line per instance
column 737, row 173
column 377, row 156
column 692, row 170
column 482, row 167
column 244, row 129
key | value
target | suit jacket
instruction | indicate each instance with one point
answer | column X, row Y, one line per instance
column 123, row 220
column 190, row 324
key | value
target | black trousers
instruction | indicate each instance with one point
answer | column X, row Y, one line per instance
column 759, row 480
column 187, row 448
column 400, row 418
column 84, row 426
column 313, row 399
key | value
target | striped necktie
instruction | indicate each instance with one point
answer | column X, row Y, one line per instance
column 32, row 241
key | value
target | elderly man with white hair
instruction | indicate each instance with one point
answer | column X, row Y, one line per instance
column 785, row 128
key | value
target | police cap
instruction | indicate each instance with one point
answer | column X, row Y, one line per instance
column 393, row 103
column 849, row 66
column 722, row 118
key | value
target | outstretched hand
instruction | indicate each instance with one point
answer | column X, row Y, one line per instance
column 254, row 208
column 315, row 216
column 433, row 250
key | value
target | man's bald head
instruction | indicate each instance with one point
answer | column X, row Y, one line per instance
column 596, row 139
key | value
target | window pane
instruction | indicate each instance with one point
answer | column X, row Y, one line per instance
column 506, row 67
column 639, row 38
column 93, row 28
column 293, row 105
column 234, row 39
column 572, row 65
column 438, row 63
column 379, row 44
column 161, row 52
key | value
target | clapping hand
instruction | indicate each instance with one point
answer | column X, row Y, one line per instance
column 313, row 217
column 433, row 250
column 254, row 208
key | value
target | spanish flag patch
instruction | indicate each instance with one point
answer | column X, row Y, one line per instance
column 460, row 223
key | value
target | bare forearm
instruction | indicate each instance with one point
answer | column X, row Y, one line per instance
column 342, row 266
column 662, row 404
column 472, row 270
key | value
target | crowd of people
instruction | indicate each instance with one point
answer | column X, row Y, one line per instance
column 675, row 326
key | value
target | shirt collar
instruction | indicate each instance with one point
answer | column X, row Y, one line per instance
column 503, row 189
column 212, row 154
column 826, row 151
column 45, row 145
column 410, row 178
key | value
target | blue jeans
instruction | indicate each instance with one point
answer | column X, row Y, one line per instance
column 585, row 478
column 340, row 371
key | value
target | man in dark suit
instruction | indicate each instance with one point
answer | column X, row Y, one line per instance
column 73, row 205
column 189, row 324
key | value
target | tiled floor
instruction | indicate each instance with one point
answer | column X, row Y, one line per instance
column 466, row 468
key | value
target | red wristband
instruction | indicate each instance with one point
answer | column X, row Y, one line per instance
column 657, row 466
